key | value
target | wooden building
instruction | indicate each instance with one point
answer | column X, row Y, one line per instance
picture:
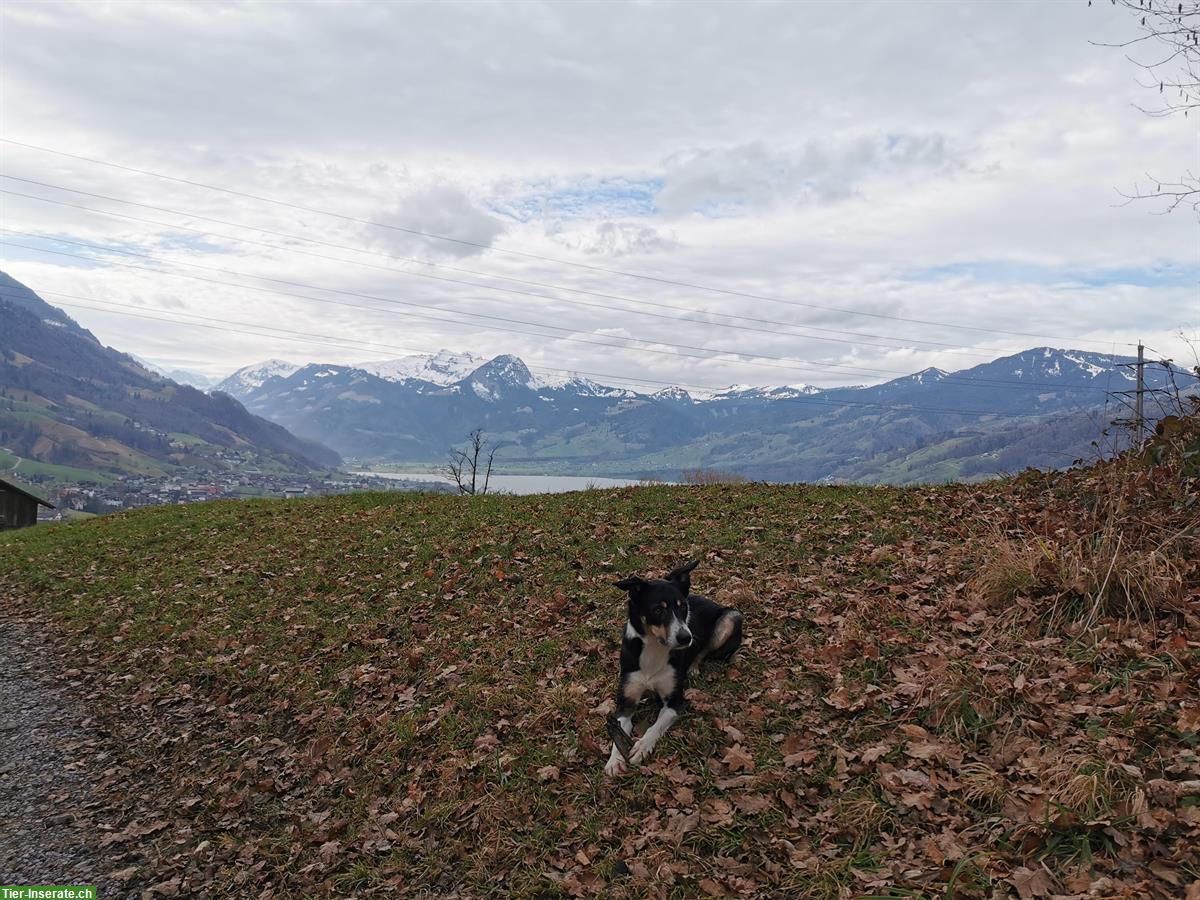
column 18, row 507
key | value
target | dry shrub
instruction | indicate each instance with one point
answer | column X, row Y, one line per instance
column 712, row 476
column 1088, row 786
column 1115, row 580
column 983, row 785
column 1010, row 568
column 1118, row 540
column 1090, row 577
column 862, row 813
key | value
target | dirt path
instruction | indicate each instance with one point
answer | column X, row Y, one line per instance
column 50, row 758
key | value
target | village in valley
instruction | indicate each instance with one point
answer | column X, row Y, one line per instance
column 70, row 501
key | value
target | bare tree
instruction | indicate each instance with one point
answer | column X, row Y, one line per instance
column 471, row 469
column 1168, row 52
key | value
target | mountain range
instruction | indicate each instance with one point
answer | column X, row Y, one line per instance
column 1043, row 407
column 75, row 407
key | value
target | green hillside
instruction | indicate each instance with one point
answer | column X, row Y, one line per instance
column 74, row 410
column 955, row 691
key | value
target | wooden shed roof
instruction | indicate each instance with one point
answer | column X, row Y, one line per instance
column 5, row 484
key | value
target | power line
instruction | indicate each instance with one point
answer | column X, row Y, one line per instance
column 520, row 253
column 653, row 344
column 324, row 340
column 946, row 347
column 419, row 315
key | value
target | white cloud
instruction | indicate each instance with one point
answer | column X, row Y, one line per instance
column 440, row 209
column 616, row 239
column 752, row 177
column 944, row 162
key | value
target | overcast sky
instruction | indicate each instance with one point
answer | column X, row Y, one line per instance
column 948, row 162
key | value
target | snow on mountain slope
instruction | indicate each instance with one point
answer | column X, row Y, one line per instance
column 444, row 367
column 749, row 392
column 250, row 378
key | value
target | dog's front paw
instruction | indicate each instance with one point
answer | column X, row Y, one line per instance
column 641, row 751
column 615, row 766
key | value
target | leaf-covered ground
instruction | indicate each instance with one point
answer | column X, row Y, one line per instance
column 401, row 693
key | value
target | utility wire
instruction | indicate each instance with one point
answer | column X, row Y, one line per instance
column 519, row 253
column 339, row 342
column 948, row 347
column 419, row 316
column 227, row 327
column 904, row 341
column 654, row 345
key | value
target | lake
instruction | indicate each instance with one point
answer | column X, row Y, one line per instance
column 519, row 484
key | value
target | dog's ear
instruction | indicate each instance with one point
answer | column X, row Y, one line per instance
column 632, row 583
column 682, row 577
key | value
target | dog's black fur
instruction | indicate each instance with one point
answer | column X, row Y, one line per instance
column 669, row 632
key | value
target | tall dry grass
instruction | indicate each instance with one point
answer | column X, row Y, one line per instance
column 712, row 476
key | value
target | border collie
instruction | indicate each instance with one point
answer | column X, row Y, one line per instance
column 669, row 632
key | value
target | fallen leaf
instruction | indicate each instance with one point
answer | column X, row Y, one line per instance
column 737, row 759
column 1031, row 882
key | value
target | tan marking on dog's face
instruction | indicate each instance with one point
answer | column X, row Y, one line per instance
column 658, row 631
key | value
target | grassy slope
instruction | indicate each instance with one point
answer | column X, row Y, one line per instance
column 10, row 463
column 367, row 691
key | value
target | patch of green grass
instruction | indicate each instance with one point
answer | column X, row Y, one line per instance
column 20, row 467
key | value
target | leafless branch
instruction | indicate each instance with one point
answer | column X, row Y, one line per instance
column 1174, row 75
column 464, row 466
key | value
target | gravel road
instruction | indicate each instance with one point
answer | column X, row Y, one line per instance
column 51, row 757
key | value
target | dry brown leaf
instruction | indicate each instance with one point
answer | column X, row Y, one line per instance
column 738, row 760
column 1031, row 882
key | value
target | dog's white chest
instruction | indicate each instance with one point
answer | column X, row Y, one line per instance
column 654, row 673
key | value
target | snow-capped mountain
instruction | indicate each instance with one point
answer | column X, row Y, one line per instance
column 672, row 395
column 499, row 378
column 444, row 367
column 1036, row 407
column 579, row 384
column 748, row 392
column 195, row 379
column 250, row 378
column 1049, row 364
column 179, row 376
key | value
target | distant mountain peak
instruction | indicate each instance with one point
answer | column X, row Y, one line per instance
column 505, row 371
column 250, row 378
column 179, row 376
column 673, row 394
column 930, row 374
column 506, row 367
column 1046, row 363
column 445, row 367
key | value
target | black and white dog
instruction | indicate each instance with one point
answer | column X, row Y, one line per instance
column 669, row 632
